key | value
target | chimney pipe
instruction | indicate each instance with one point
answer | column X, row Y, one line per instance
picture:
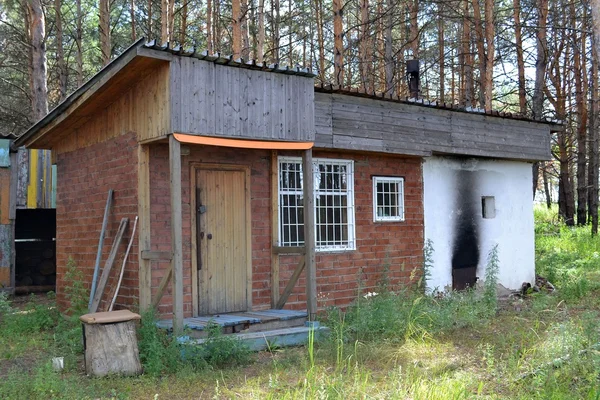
column 412, row 76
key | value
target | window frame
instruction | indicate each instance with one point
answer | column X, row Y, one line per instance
column 400, row 199
column 349, row 194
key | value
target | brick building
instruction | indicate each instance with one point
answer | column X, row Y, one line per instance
column 230, row 166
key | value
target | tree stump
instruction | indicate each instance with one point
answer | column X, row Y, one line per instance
column 110, row 343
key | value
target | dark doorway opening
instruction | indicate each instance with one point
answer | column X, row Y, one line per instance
column 35, row 250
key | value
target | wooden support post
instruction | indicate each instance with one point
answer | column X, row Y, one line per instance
column 309, row 235
column 176, row 233
column 274, row 228
column 144, row 241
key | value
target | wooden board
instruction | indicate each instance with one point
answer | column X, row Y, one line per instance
column 224, row 241
column 216, row 100
column 355, row 123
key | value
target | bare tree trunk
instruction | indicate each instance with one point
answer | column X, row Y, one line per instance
column 276, row 19
column 320, row 39
column 78, row 44
column 480, row 40
column 164, row 21
column 216, row 25
column 442, row 51
column 581, row 123
column 467, row 63
column 389, row 51
column 244, row 26
column 171, row 20
column 104, row 27
column 150, row 34
column 594, row 163
column 365, row 47
column 414, row 29
column 540, row 73
column 546, row 186
column 39, row 89
column 490, row 33
column 290, row 30
column 260, row 49
column 60, row 52
column 184, row 23
column 132, row 16
column 236, row 31
column 338, row 52
column 520, row 60
column 209, row 28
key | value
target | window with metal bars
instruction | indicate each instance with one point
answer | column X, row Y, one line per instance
column 334, row 203
column 388, row 199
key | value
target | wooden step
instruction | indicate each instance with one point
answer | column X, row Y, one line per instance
column 251, row 321
column 276, row 338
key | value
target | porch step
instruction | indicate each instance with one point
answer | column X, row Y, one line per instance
column 287, row 337
column 251, row 321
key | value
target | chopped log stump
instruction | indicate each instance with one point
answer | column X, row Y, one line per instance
column 110, row 343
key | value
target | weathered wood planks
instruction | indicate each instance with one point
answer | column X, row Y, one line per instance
column 355, row 123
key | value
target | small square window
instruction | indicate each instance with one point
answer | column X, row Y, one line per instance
column 488, row 207
column 388, row 199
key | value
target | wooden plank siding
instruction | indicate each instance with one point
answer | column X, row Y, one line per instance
column 217, row 100
column 355, row 123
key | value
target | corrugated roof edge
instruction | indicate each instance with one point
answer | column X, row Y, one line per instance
column 220, row 59
column 73, row 96
column 329, row 88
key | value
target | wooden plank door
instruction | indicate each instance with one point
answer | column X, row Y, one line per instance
column 223, row 238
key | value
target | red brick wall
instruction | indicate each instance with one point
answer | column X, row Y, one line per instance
column 397, row 245
column 84, row 178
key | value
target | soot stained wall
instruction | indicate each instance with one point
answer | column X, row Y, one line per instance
column 453, row 188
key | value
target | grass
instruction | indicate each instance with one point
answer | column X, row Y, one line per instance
column 397, row 344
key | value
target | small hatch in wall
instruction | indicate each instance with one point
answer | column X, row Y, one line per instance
column 488, row 207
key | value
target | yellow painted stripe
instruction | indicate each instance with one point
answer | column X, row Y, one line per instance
column 33, row 178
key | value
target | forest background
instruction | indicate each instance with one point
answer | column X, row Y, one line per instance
column 537, row 58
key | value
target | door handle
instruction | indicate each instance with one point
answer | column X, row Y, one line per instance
column 209, row 236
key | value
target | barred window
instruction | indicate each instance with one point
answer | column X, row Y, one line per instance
column 334, row 203
column 388, row 199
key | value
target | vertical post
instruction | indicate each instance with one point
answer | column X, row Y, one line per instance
column 274, row 228
column 176, row 233
column 309, row 234
column 144, row 241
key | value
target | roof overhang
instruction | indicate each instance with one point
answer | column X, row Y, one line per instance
column 242, row 143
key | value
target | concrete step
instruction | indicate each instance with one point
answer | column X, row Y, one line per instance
column 286, row 337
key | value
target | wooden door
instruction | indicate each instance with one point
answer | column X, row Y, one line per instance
column 223, row 237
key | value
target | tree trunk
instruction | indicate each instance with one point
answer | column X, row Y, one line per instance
column 546, row 186
column 78, row 44
column 171, row 28
column 245, row 52
column 594, row 163
column 442, row 52
column 209, row 28
column 104, row 30
column 338, row 52
column 164, row 21
column 414, row 29
column 132, row 16
column 150, row 35
column 60, row 52
column 540, row 71
column 490, row 54
column 320, row 39
column 39, row 89
column 236, row 31
column 389, row 52
column 290, row 35
column 365, row 47
column 276, row 18
column 184, row 23
column 480, row 41
column 467, row 58
column 104, row 27
column 520, row 60
column 581, row 124
column 260, row 48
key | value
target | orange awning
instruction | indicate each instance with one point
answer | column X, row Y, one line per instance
column 242, row 144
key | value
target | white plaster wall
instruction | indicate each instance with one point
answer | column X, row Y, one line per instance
column 512, row 229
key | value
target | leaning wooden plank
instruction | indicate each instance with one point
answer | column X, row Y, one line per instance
column 112, row 303
column 290, row 286
column 108, row 266
column 161, row 287
column 100, row 245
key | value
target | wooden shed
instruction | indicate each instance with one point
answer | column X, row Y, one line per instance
column 255, row 190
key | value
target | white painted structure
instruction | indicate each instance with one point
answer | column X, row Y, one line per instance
column 454, row 189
